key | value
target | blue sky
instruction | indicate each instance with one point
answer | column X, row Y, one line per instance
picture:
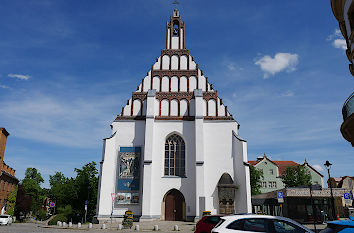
column 67, row 68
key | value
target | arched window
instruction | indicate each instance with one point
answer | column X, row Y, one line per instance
column 174, row 156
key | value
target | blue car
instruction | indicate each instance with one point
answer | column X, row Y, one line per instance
column 340, row 226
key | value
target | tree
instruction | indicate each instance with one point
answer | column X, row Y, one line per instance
column 87, row 183
column 32, row 187
column 255, row 178
column 295, row 176
column 11, row 202
column 71, row 193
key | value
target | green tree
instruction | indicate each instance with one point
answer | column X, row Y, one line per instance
column 32, row 186
column 11, row 202
column 71, row 193
column 87, row 184
column 295, row 176
column 255, row 179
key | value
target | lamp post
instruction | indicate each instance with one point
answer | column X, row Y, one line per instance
column 328, row 166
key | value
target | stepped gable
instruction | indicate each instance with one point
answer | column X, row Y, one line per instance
column 175, row 75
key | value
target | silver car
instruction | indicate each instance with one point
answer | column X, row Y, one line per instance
column 258, row 223
column 5, row 219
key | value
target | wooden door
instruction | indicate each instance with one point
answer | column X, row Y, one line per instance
column 174, row 206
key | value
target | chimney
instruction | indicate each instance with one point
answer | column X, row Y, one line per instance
column 3, row 138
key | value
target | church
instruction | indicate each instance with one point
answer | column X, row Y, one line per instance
column 175, row 150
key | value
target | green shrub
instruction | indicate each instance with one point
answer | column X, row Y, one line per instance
column 58, row 217
column 42, row 215
column 67, row 210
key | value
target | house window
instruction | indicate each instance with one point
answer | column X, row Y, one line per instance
column 316, row 182
column 264, row 184
column 271, row 171
column 272, row 184
column 175, row 156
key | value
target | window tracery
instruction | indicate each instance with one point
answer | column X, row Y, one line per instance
column 174, row 156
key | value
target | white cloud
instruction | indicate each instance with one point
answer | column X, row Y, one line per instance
column 288, row 94
column 4, row 86
column 318, row 167
column 280, row 62
column 73, row 122
column 340, row 44
column 337, row 40
column 19, row 76
column 336, row 34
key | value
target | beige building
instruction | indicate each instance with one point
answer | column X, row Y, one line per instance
column 8, row 181
column 343, row 10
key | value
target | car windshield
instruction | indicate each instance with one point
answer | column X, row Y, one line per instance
column 4, row 216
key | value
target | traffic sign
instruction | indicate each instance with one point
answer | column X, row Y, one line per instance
column 113, row 195
column 51, row 204
column 280, row 197
column 280, row 194
column 347, row 196
column 86, row 202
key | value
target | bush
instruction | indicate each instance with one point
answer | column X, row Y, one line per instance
column 67, row 210
column 59, row 217
column 42, row 215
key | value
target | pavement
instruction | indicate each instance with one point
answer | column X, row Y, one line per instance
column 164, row 226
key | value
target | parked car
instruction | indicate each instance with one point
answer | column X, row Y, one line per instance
column 340, row 226
column 206, row 223
column 5, row 219
column 258, row 223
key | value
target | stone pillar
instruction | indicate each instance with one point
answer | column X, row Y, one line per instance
column 148, row 150
column 199, row 153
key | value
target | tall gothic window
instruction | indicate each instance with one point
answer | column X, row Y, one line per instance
column 175, row 156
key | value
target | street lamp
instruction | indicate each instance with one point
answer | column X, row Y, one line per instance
column 328, row 166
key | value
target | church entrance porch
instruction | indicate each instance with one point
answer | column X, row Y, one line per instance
column 175, row 206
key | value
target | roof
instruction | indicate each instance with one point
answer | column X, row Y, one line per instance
column 306, row 163
column 282, row 165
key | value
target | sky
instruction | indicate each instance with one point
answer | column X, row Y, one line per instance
column 68, row 67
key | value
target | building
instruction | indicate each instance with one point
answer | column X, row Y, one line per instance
column 343, row 10
column 8, row 181
column 345, row 182
column 272, row 171
column 297, row 203
column 175, row 149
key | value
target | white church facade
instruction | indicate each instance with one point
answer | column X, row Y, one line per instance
column 175, row 150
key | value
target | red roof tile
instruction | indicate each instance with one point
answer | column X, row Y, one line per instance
column 282, row 165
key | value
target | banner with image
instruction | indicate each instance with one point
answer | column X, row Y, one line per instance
column 128, row 177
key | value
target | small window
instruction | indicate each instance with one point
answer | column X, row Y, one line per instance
column 264, row 184
column 236, row 225
column 271, row 171
column 255, row 225
column 286, row 227
column 212, row 219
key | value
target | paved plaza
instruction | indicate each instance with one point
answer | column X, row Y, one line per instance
column 164, row 226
